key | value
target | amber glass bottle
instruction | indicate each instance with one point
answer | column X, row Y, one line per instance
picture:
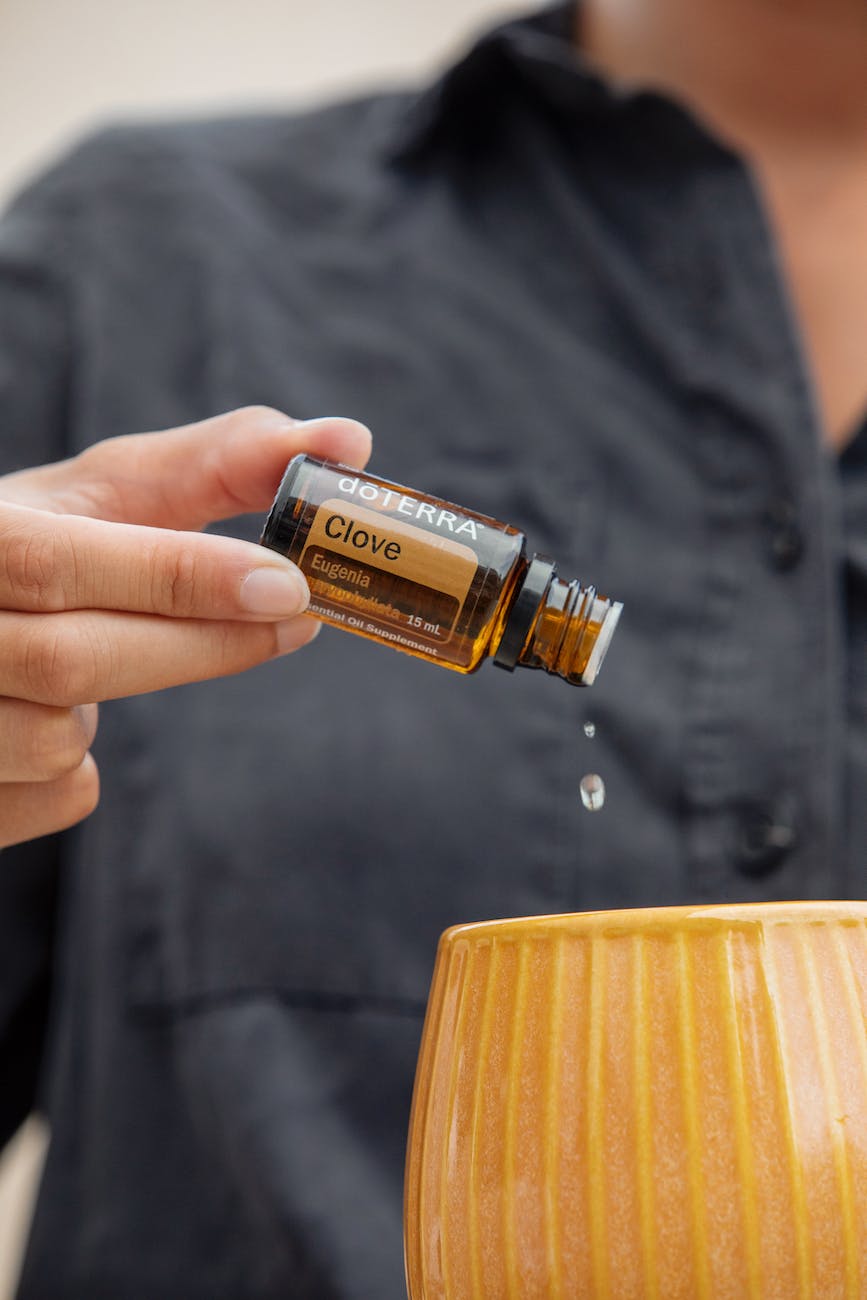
column 431, row 578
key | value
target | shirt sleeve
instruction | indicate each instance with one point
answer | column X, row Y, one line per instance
column 35, row 365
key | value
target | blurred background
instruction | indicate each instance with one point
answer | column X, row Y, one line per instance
column 65, row 68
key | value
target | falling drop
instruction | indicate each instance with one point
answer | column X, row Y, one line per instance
column 592, row 789
column 589, row 730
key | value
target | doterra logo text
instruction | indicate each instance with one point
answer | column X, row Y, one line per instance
column 409, row 507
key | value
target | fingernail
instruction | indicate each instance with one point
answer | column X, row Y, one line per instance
column 87, row 716
column 296, row 633
column 274, row 593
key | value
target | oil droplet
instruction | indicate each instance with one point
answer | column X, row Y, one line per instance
column 592, row 789
column 589, row 730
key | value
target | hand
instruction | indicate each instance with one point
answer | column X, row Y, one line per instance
column 100, row 598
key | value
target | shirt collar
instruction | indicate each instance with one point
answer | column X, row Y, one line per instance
column 541, row 51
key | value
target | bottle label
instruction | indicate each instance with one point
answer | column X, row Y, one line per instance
column 376, row 573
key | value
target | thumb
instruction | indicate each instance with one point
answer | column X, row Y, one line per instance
column 185, row 478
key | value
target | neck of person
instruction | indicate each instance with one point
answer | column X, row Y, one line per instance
column 783, row 82
column 765, row 74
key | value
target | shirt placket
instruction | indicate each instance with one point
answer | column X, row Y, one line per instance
column 763, row 770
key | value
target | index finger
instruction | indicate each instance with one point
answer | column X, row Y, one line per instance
column 190, row 476
column 50, row 563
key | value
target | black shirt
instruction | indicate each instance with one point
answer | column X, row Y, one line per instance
column 555, row 303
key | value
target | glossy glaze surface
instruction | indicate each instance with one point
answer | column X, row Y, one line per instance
column 667, row 1103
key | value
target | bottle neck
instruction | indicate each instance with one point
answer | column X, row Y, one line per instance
column 558, row 626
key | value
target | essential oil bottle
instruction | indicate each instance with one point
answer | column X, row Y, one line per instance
column 431, row 578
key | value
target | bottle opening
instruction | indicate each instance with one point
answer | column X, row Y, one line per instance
column 572, row 632
column 604, row 619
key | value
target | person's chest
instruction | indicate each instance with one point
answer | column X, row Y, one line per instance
column 819, row 213
column 612, row 373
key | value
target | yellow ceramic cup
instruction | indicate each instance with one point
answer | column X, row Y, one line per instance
column 663, row 1103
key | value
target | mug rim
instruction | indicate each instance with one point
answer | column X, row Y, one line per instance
column 633, row 920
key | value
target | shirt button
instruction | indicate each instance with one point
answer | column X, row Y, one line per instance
column 786, row 540
column 767, row 836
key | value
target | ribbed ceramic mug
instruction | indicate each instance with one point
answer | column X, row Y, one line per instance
column 663, row 1103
